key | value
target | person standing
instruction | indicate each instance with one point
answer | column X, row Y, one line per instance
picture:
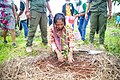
column 98, row 10
column 68, row 8
column 23, row 18
column 8, row 19
column 68, row 11
column 82, row 22
column 37, row 15
column 118, row 20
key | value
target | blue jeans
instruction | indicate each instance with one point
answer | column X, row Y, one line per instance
column 24, row 25
column 82, row 26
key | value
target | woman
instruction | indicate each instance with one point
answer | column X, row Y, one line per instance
column 61, row 38
column 7, row 19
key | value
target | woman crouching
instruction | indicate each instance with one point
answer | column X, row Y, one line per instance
column 61, row 38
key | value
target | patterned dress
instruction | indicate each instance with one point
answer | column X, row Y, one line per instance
column 7, row 20
column 62, row 39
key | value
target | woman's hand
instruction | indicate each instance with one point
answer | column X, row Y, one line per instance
column 70, row 57
column 59, row 55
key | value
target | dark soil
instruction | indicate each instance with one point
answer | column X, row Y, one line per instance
column 82, row 67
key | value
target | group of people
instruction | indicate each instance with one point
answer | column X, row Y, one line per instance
column 9, row 19
column 59, row 34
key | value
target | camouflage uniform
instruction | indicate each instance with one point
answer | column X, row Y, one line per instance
column 98, row 9
column 38, row 16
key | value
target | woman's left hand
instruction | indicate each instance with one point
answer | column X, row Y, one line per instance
column 70, row 57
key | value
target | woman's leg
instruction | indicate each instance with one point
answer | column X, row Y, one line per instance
column 12, row 31
column 5, row 34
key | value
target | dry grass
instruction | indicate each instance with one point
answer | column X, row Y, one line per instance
column 108, row 68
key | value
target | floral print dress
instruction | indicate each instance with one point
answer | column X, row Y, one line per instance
column 61, row 40
column 7, row 20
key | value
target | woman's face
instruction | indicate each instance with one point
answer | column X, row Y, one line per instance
column 59, row 24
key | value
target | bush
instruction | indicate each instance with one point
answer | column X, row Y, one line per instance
column 112, row 41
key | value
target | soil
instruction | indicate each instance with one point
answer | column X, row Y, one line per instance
column 45, row 66
column 82, row 67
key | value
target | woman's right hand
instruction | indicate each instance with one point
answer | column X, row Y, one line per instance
column 59, row 55
column 28, row 14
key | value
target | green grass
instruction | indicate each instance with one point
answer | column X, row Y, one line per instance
column 7, row 51
column 112, row 38
column 112, row 43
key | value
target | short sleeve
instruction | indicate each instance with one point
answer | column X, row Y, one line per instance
column 89, row 1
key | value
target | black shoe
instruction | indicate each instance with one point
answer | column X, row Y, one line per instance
column 14, row 45
column 5, row 42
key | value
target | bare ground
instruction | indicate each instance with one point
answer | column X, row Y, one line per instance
column 45, row 66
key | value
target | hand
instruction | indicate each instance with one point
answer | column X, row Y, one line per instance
column 59, row 56
column 70, row 57
column 109, row 16
column 28, row 14
column 18, row 18
column 51, row 15
column 74, row 17
column 77, row 15
column 86, row 16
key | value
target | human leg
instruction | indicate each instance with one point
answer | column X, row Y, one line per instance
column 34, row 20
column 12, row 31
column 43, row 28
column 85, row 22
column 5, row 35
column 93, row 25
column 24, row 24
column 80, row 26
column 102, row 26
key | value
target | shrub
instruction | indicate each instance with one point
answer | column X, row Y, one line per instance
column 112, row 41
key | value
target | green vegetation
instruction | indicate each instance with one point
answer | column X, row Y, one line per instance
column 7, row 51
column 112, row 43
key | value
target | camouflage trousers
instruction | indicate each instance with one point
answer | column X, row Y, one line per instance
column 98, row 20
column 36, row 19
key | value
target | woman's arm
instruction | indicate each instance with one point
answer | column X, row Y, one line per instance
column 51, row 39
